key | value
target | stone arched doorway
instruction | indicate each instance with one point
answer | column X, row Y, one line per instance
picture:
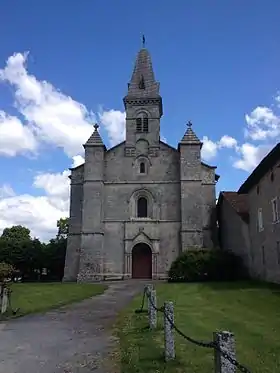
column 141, row 261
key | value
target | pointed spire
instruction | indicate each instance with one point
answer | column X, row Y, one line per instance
column 143, row 83
column 95, row 139
column 190, row 137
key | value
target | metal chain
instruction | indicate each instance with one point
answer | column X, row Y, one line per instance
column 211, row 344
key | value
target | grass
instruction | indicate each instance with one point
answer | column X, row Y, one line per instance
column 250, row 310
column 40, row 297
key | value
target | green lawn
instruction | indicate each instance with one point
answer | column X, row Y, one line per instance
column 40, row 297
column 250, row 310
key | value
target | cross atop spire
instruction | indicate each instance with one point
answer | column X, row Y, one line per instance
column 143, row 41
column 189, row 136
column 95, row 139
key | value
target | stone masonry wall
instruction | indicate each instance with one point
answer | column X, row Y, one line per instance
column 116, row 203
column 265, row 243
column 122, row 181
column 72, row 258
column 234, row 233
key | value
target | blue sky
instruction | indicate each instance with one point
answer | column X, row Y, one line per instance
column 217, row 61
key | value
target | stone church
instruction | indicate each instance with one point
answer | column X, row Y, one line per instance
column 136, row 206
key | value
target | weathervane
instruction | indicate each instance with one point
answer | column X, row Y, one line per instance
column 96, row 126
column 143, row 41
column 189, row 124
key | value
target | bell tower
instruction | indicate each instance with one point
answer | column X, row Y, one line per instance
column 143, row 105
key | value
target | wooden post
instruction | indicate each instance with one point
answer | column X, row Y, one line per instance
column 225, row 341
column 168, row 331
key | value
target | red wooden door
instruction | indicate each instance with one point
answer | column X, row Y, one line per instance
column 141, row 261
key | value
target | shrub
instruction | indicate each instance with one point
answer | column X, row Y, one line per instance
column 206, row 265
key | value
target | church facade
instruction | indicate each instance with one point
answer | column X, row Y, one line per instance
column 136, row 206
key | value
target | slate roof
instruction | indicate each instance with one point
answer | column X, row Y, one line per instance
column 95, row 138
column 143, row 83
column 190, row 137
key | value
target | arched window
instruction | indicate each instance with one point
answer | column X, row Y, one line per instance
column 142, row 123
column 142, row 207
column 142, row 168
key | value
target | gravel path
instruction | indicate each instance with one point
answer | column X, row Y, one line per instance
column 72, row 339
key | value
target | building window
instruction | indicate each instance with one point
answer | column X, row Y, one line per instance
column 142, row 168
column 142, row 207
column 275, row 211
column 142, row 123
column 260, row 220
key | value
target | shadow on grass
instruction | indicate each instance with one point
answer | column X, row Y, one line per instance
column 239, row 285
column 231, row 285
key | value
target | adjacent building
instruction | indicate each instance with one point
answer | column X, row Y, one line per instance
column 136, row 206
column 249, row 220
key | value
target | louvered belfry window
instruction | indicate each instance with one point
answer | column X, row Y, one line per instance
column 145, row 125
column 142, row 123
column 139, row 124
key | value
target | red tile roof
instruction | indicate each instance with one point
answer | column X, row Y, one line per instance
column 239, row 202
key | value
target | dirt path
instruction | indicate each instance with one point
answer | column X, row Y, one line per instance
column 72, row 339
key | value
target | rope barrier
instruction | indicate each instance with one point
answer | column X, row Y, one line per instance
column 204, row 344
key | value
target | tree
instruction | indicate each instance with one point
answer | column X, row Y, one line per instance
column 16, row 233
column 29, row 256
column 63, row 227
column 21, row 251
column 55, row 252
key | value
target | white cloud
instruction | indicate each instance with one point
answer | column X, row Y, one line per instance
column 209, row 149
column 262, row 124
column 263, row 129
column 39, row 214
column 227, row 142
column 15, row 138
column 114, row 123
column 51, row 116
column 6, row 191
column 251, row 155
column 77, row 161
column 263, row 132
column 56, row 185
